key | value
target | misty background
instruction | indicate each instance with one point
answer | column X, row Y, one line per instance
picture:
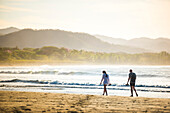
column 98, row 31
column 125, row 19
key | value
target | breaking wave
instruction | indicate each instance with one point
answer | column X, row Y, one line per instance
column 77, row 73
column 78, row 84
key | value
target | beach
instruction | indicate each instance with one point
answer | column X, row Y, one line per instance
column 15, row 101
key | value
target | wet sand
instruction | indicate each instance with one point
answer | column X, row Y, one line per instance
column 15, row 101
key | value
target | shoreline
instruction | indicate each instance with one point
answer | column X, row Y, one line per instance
column 67, row 63
column 17, row 101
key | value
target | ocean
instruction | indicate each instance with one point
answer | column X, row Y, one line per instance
column 152, row 81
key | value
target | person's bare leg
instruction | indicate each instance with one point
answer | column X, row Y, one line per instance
column 135, row 91
column 103, row 92
column 106, row 90
column 131, row 91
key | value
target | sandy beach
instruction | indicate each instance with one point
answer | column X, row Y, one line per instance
column 14, row 101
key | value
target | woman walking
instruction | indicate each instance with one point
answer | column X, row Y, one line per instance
column 105, row 82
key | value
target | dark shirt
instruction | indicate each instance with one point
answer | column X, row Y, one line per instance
column 132, row 77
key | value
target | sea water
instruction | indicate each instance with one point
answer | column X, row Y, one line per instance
column 151, row 81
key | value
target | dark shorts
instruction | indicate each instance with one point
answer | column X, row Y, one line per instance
column 132, row 84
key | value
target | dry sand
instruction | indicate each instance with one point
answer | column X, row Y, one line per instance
column 14, row 101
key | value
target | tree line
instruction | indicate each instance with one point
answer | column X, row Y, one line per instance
column 50, row 54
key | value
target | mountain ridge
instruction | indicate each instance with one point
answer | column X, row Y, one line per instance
column 59, row 38
column 154, row 45
column 79, row 40
column 8, row 30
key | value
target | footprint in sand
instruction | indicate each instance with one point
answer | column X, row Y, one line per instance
column 25, row 108
column 72, row 106
column 29, row 104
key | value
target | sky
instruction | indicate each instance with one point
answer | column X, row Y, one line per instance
column 115, row 18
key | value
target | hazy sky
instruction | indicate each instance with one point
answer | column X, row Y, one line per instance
column 116, row 18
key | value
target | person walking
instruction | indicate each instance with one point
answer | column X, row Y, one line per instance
column 132, row 78
column 105, row 82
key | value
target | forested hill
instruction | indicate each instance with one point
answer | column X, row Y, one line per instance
column 58, row 38
column 54, row 55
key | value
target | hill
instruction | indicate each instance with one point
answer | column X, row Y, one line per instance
column 58, row 38
column 154, row 45
column 8, row 30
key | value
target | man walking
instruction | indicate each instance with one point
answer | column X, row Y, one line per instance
column 132, row 78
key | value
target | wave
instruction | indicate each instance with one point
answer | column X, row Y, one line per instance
column 152, row 75
column 143, row 75
column 75, row 73
column 25, row 81
column 47, row 87
column 151, row 86
column 28, row 72
column 54, row 72
column 78, row 84
column 46, row 72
